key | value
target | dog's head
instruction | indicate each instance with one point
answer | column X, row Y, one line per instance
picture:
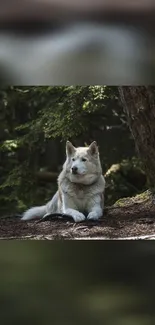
column 83, row 163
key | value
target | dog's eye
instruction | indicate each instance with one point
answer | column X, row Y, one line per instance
column 83, row 159
column 73, row 159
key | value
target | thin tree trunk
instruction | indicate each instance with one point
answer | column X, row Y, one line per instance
column 139, row 106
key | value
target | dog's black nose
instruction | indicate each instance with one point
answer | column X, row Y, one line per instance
column 74, row 170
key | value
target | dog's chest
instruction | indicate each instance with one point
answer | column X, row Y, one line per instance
column 80, row 193
column 82, row 196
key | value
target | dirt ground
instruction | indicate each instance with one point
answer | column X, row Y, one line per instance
column 134, row 220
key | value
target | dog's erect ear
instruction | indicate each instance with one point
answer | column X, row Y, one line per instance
column 93, row 148
column 70, row 149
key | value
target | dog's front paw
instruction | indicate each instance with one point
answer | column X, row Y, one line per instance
column 78, row 216
column 93, row 216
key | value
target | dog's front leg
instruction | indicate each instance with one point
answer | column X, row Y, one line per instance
column 95, row 208
column 69, row 207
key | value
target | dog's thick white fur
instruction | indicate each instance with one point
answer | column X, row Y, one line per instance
column 81, row 187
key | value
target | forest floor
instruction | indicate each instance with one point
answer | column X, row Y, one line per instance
column 129, row 218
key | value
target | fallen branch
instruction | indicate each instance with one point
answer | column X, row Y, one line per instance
column 55, row 216
column 146, row 237
column 50, row 237
column 46, row 176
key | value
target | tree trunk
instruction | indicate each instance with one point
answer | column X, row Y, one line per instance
column 139, row 106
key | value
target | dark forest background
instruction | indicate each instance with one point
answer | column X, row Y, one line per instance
column 35, row 123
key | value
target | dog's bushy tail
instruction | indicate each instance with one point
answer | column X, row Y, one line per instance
column 34, row 213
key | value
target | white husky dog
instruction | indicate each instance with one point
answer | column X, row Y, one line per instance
column 81, row 187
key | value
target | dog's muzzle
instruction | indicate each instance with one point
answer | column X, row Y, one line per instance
column 74, row 170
